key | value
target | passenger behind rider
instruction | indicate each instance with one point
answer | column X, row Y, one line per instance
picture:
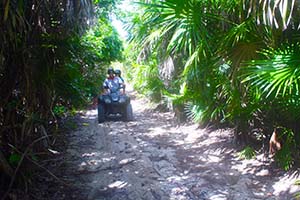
column 118, row 74
column 111, row 81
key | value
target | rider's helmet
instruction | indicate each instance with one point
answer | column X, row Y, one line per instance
column 118, row 72
column 110, row 70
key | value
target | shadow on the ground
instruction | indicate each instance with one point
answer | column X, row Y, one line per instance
column 210, row 157
column 152, row 157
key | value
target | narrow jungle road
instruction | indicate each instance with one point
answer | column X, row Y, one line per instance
column 153, row 158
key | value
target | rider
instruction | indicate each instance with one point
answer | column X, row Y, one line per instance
column 118, row 74
column 111, row 81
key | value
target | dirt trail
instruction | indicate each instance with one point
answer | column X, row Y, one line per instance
column 152, row 158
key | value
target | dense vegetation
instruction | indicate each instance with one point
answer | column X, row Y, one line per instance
column 53, row 59
column 227, row 63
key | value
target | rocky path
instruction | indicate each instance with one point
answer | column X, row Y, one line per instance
column 152, row 158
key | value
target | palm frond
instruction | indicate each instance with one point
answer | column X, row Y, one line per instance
column 278, row 74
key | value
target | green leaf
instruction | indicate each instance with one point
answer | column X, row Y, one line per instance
column 6, row 10
column 14, row 159
column 247, row 153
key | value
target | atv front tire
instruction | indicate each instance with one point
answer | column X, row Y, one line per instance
column 101, row 114
column 128, row 113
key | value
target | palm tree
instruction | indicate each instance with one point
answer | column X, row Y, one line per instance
column 215, row 40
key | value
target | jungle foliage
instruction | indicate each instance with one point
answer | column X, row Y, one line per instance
column 52, row 59
column 229, row 63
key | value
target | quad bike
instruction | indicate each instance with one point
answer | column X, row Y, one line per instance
column 114, row 105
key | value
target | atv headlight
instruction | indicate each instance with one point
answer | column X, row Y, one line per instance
column 107, row 100
column 122, row 100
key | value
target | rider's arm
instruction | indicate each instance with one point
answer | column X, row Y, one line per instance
column 124, row 85
column 121, row 84
column 105, row 87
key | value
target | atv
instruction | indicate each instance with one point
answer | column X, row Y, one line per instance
column 114, row 105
